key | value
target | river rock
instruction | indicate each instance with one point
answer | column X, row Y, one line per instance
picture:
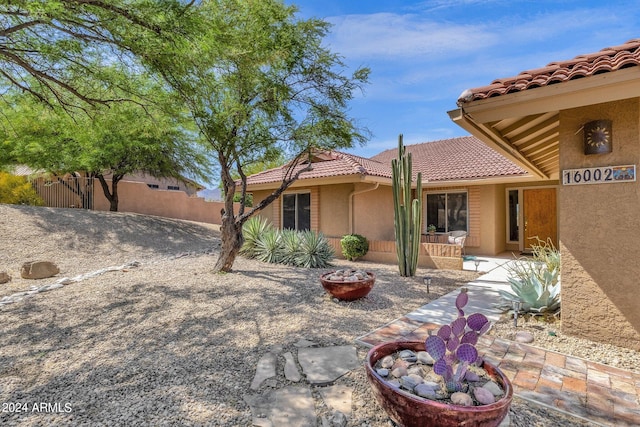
column 424, row 357
column 484, row 396
column 423, row 390
column 386, row 362
column 4, row 277
column 494, row 388
column 463, row 399
column 524, row 337
column 38, row 270
column 408, row 356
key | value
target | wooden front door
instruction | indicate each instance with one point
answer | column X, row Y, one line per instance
column 540, row 218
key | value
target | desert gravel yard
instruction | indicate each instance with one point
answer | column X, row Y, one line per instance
column 170, row 342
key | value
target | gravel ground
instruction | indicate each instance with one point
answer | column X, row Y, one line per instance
column 171, row 342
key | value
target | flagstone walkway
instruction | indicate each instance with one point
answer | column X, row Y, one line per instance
column 599, row 393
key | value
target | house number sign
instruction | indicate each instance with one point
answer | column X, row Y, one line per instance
column 601, row 175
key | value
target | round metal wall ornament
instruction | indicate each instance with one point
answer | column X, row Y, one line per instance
column 598, row 137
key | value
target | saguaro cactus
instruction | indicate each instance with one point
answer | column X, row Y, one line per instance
column 407, row 212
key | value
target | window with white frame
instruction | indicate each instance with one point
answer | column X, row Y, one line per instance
column 296, row 211
column 447, row 211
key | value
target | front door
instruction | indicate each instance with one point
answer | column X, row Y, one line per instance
column 540, row 221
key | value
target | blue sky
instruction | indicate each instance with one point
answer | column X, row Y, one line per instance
column 423, row 54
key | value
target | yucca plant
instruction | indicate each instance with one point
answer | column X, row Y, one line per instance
column 315, row 251
column 290, row 243
column 268, row 246
column 252, row 230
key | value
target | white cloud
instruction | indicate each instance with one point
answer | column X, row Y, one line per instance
column 402, row 36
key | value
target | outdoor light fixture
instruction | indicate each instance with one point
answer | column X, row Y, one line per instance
column 598, row 137
column 517, row 305
column 427, row 281
column 477, row 263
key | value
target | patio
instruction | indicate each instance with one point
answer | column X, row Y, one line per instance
column 594, row 392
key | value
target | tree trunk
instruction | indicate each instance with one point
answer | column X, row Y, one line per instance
column 112, row 196
column 232, row 241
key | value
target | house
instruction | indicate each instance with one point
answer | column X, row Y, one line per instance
column 467, row 186
column 575, row 125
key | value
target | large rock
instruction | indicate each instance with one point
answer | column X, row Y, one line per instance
column 4, row 277
column 38, row 270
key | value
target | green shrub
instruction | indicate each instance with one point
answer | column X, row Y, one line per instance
column 315, row 251
column 251, row 231
column 16, row 190
column 536, row 283
column 354, row 246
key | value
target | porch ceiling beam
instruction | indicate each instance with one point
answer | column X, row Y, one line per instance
column 493, row 139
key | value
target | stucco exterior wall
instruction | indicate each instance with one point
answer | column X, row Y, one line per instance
column 373, row 212
column 139, row 198
column 492, row 220
column 334, row 209
column 600, row 231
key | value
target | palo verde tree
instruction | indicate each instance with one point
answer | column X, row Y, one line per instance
column 259, row 82
column 44, row 45
column 112, row 142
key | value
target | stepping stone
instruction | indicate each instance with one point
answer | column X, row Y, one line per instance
column 293, row 407
column 304, row 343
column 266, row 369
column 291, row 369
column 324, row 365
column 338, row 398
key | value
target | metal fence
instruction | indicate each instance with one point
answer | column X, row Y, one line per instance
column 72, row 192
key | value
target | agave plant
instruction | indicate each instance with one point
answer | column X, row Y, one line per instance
column 315, row 250
column 290, row 244
column 453, row 346
column 538, row 291
column 535, row 284
column 252, row 230
column 268, row 247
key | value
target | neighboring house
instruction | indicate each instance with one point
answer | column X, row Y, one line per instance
column 467, row 186
column 578, row 121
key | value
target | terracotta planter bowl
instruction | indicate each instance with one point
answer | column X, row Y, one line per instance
column 348, row 291
column 408, row 410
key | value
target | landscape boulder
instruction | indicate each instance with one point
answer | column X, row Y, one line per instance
column 38, row 270
column 4, row 277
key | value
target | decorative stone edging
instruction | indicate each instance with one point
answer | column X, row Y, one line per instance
column 19, row 296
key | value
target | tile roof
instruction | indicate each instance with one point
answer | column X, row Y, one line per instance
column 604, row 61
column 459, row 158
column 338, row 164
column 445, row 160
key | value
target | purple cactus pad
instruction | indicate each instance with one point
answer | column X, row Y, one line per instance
column 435, row 346
column 470, row 337
column 467, row 353
column 458, row 326
column 477, row 321
column 453, row 343
column 462, row 300
column 444, row 332
column 441, row 367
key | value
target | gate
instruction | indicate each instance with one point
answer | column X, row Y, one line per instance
column 67, row 192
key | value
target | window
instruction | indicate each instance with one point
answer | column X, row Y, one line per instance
column 154, row 186
column 296, row 211
column 514, row 216
column 172, row 187
column 447, row 211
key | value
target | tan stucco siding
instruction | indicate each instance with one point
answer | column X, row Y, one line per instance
column 267, row 212
column 373, row 212
column 492, row 219
column 600, row 231
column 334, row 209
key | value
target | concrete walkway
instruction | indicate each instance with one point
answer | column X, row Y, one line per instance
column 601, row 394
